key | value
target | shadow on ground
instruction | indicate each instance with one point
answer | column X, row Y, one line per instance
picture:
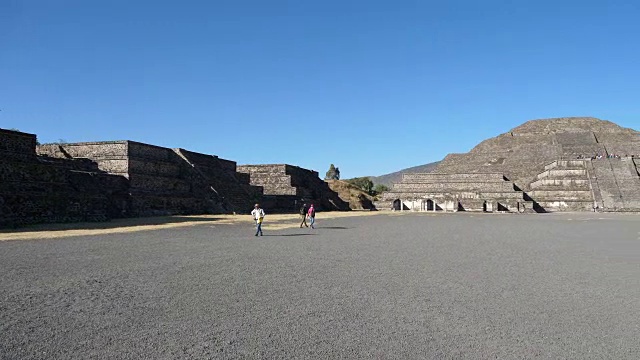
column 112, row 224
column 289, row 235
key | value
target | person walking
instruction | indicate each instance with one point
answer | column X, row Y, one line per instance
column 258, row 216
column 303, row 213
column 311, row 213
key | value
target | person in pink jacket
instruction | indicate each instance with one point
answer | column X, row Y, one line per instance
column 311, row 214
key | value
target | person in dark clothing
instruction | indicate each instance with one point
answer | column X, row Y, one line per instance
column 303, row 213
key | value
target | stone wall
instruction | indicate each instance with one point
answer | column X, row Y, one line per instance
column 15, row 144
column 37, row 189
column 160, row 180
column 274, row 179
column 102, row 180
column 437, row 178
column 451, row 186
column 234, row 187
column 286, row 187
column 466, row 191
column 110, row 156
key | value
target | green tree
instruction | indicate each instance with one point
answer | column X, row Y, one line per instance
column 380, row 188
column 363, row 183
column 333, row 173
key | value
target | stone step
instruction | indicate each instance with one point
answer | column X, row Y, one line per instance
column 546, row 195
column 383, row 205
column 566, row 205
column 263, row 177
column 518, row 195
column 566, row 164
column 278, row 189
column 510, row 205
column 560, row 188
column 392, row 195
column 561, row 173
column 568, row 182
column 439, row 178
column 455, row 186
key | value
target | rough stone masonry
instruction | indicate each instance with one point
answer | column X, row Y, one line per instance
column 561, row 164
column 97, row 181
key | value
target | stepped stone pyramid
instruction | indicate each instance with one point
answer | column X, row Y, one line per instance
column 286, row 187
column 164, row 181
column 98, row 181
column 545, row 165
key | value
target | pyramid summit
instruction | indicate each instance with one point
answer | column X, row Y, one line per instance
column 571, row 163
column 568, row 124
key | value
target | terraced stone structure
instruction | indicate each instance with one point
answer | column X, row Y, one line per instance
column 97, row 181
column 552, row 165
column 286, row 187
column 165, row 181
column 457, row 192
column 37, row 189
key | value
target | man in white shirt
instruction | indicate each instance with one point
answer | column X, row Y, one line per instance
column 258, row 216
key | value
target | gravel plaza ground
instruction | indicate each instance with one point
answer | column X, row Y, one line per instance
column 388, row 285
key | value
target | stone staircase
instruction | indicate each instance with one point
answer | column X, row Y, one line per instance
column 564, row 185
column 514, row 162
column 232, row 187
column 619, row 183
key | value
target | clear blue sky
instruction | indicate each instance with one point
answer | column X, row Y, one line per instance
column 371, row 86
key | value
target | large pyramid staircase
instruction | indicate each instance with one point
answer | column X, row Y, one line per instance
column 618, row 183
column 564, row 185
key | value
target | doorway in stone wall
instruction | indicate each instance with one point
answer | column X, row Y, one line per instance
column 430, row 205
column 396, row 204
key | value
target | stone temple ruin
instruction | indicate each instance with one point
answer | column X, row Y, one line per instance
column 97, row 181
column 284, row 186
column 562, row 164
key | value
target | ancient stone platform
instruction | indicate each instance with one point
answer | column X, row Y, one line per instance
column 42, row 189
column 561, row 164
column 162, row 181
column 455, row 192
column 286, row 187
column 96, row 181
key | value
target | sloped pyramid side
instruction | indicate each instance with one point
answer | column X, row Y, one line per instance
column 522, row 153
column 525, row 154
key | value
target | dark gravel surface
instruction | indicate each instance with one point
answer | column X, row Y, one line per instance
column 411, row 286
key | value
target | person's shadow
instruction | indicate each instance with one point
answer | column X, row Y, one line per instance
column 289, row 235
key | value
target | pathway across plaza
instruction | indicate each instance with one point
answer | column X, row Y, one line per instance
column 384, row 286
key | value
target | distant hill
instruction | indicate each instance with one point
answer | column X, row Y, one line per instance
column 389, row 179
